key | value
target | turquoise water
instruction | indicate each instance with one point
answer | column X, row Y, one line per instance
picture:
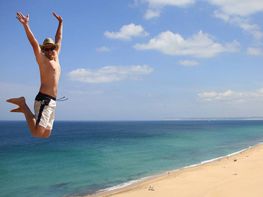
column 83, row 157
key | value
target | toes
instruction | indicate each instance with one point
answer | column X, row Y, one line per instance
column 16, row 110
column 16, row 101
column 9, row 100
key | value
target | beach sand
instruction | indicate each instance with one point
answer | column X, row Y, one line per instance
column 239, row 175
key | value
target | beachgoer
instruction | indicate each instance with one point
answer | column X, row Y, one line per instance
column 41, row 123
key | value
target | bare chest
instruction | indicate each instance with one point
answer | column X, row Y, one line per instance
column 50, row 66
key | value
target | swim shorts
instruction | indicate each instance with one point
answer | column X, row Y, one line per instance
column 45, row 106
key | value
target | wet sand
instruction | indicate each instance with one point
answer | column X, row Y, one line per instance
column 239, row 175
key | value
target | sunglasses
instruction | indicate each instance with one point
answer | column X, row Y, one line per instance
column 49, row 49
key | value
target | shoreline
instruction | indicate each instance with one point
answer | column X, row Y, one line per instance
column 145, row 186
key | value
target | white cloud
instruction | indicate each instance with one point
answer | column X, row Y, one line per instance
column 254, row 51
column 188, row 63
column 151, row 13
column 238, row 7
column 179, row 3
column 103, row 49
column 237, row 12
column 109, row 74
column 230, row 95
column 228, row 7
column 127, row 32
column 252, row 29
column 155, row 6
column 199, row 45
column 242, row 23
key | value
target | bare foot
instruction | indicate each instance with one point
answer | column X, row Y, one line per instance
column 17, row 101
column 19, row 109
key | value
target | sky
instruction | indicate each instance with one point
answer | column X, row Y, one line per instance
column 139, row 59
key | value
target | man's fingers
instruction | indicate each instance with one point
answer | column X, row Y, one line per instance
column 19, row 14
column 54, row 14
column 22, row 15
column 57, row 16
column 19, row 18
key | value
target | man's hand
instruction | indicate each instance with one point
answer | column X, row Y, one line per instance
column 59, row 18
column 22, row 19
column 58, row 37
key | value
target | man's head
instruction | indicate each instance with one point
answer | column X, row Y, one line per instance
column 48, row 48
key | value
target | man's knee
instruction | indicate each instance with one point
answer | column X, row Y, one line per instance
column 41, row 132
column 47, row 133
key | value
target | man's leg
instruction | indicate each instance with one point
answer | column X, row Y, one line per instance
column 36, row 130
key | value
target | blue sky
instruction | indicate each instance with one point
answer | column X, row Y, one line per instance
column 140, row 59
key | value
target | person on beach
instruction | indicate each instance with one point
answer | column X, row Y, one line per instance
column 41, row 123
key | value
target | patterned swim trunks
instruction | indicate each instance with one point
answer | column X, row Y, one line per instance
column 45, row 106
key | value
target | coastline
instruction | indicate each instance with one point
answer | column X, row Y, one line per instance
column 222, row 176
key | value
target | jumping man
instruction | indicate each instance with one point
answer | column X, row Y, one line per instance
column 46, row 55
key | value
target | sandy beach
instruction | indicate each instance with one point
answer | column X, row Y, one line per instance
column 239, row 175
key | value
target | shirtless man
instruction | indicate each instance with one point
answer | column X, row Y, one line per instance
column 46, row 55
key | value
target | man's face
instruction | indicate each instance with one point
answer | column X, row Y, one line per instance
column 49, row 51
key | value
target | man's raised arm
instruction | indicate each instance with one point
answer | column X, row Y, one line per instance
column 24, row 20
column 58, row 37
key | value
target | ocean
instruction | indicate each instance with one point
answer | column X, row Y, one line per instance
column 84, row 157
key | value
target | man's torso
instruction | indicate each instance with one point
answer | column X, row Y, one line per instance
column 49, row 75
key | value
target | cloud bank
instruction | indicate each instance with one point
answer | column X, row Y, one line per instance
column 199, row 45
column 230, row 95
column 110, row 74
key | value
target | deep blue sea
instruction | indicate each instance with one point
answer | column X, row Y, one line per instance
column 83, row 157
